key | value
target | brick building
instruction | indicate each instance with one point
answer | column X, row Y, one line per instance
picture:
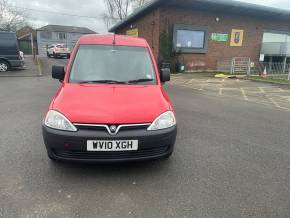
column 204, row 33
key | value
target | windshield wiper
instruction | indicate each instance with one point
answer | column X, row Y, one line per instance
column 139, row 81
column 116, row 82
column 102, row 82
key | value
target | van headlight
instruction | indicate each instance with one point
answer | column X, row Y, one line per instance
column 56, row 120
column 164, row 121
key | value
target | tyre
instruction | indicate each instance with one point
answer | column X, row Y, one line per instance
column 4, row 66
column 68, row 56
column 49, row 55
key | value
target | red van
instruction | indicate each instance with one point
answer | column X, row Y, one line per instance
column 111, row 105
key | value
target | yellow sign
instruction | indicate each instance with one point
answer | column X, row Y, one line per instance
column 133, row 32
column 237, row 38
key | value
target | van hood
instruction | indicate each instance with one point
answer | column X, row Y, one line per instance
column 111, row 104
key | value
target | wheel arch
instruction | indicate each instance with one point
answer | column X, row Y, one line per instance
column 5, row 60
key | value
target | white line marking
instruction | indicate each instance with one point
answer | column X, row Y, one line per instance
column 221, row 91
column 274, row 102
column 262, row 90
column 230, row 88
column 189, row 82
column 244, row 94
column 201, row 88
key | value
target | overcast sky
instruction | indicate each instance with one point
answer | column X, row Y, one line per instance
column 92, row 8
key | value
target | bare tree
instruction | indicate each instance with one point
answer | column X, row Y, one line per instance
column 11, row 18
column 119, row 9
column 139, row 3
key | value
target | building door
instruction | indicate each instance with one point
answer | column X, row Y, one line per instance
column 25, row 47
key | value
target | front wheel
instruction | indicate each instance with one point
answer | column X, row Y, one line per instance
column 4, row 66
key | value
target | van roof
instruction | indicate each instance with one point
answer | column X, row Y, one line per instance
column 107, row 39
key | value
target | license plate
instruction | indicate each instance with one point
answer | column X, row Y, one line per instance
column 124, row 145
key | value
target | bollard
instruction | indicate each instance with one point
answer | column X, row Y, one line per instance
column 289, row 74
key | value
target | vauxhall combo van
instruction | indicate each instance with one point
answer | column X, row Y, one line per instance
column 111, row 105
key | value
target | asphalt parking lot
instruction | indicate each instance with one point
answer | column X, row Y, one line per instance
column 232, row 159
column 30, row 69
column 255, row 92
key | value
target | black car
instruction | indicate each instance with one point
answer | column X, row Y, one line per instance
column 9, row 52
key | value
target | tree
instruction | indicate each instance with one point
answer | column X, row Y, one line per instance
column 11, row 18
column 139, row 3
column 118, row 10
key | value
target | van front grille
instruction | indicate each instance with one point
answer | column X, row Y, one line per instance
column 107, row 128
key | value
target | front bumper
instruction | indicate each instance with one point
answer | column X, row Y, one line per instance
column 16, row 63
column 62, row 53
column 72, row 146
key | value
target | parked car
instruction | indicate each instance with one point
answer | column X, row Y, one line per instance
column 58, row 50
column 10, row 56
column 111, row 105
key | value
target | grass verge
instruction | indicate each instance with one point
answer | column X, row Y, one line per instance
column 270, row 80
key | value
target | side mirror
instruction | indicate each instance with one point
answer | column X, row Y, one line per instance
column 165, row 75
column 58, row 73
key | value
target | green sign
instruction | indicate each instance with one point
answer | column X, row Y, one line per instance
column 219, row 37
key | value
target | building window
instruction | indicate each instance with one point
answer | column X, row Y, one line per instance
column 276, row 43
column 190, row 39
column 45, row 35
column 61, row 36
column 275, row 37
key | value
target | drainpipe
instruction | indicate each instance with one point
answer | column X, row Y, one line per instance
column 32, row 47
column 284, row 64
column 153, row 26
column 271, row 62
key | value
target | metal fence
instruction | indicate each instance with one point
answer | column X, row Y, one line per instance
column 240, row 65
column 275, row 70
column 236, row 65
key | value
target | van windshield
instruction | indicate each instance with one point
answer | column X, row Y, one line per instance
column 105, row 64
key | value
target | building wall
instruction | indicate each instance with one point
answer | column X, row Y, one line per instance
column 218, row 51
column 166, row 17
column 70, row 40
column 148, row 28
